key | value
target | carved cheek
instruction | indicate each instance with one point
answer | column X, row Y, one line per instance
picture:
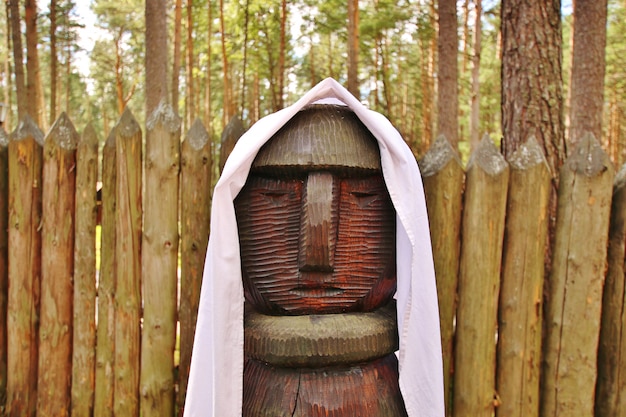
column 268, row 217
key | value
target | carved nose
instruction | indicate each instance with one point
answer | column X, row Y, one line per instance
column 319, row 221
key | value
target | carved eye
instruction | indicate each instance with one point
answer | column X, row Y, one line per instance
column 276, row 197
column 364, row 198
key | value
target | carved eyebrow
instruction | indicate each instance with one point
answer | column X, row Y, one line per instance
column 276, row 197
column 366, row 197
column 274, row 193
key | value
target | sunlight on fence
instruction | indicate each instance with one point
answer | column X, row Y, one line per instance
column 99, row 295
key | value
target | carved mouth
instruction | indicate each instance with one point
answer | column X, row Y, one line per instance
column 316, row 291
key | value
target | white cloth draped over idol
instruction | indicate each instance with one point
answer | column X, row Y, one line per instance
column 215, row 387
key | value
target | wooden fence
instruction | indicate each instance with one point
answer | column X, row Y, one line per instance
column 83, row 339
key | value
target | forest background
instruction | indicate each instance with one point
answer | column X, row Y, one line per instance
column 511, row 69
column 248, row 58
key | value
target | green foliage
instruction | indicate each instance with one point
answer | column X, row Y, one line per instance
column 396, row 65
column 121, row 46
column 616, row 49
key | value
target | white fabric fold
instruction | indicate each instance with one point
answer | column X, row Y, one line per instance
column 215, row 387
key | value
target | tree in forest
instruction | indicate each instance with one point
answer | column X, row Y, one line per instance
column 428, row 49
column 475, row 89
column 532, row 94
column 63, row 84
column 392, row 63
column 117, row 59
column 586, row 93
column 156, row 54
column 282, row 53
column 532, row 106
column 353, row 48
column 18, row 54
column 176, row 57
column 34, row 88
column 53, row 61
column 229, row 107
column 447, row 72
column 615, row 82
column 190, row 96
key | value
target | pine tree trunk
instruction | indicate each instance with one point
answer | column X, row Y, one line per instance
column 7, row 70
column 191, row 91
column 532, row 93
column 208, row 116
column 119, row 87
column 228, row 104
column 34, row 89
column 18, row 58
column 475, row 101
column 353, row 47
column 177, row 40
column 245, row 56
column 588, row 66
column 448, row 100
column 282, row 52
column 532, row 89
column 156, row 54
column 53, row 60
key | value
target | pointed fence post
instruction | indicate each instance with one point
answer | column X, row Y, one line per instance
column 25, row 169
column 479, row 282
column 4, row 259
column 573, row 310
column 57, row 268
column 520, row 312
column 105, row 332
column 443, row 177
column 128, row 217
column 84, row 340
column 231, row 134
column 610, row 400
column 160, row 262
column 195, row 187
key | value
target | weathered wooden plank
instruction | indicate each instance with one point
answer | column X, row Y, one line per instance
column 84, row 340
column 195, row 191
column 57, row 267
column 4, row 260
column 573, row 309
column 521, row 291
column 611, row 385
column 231, row 134
column 105, row 333
column 160, row 262
column 25, row 170
column 443, row 177
column 479, row 282
column 128, row 217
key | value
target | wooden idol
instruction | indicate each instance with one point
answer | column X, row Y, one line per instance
column 317, row 241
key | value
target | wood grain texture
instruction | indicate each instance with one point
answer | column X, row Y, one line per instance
column 364, row 390
column 479, row 282
column 573, row 310
column 320, row 340
column 128, row 221
column 609, row 400
column 159, row 266
column 444, row 179
column 57, row 269
column 274, row 238
column 195, row 184
column 25, row 194
column 105, row 333
column 84, row 339
column 521, row 292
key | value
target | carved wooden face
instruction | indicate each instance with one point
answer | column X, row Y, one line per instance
column 318, row 242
